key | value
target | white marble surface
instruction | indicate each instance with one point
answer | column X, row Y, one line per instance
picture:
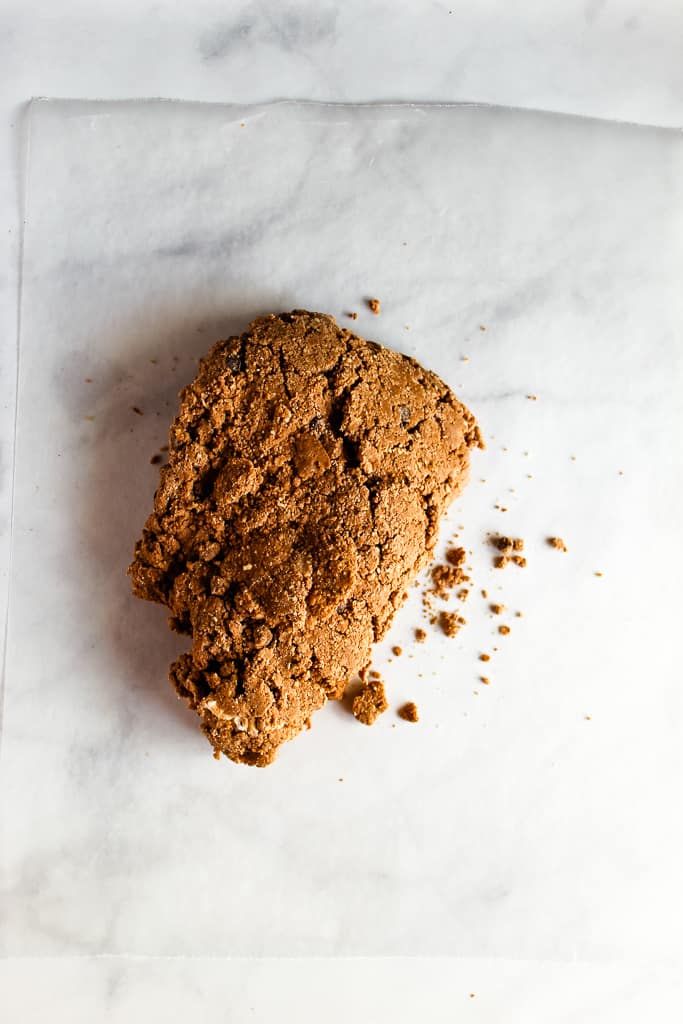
column 612, row 59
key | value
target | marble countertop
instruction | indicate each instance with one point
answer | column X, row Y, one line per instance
column 602, row 58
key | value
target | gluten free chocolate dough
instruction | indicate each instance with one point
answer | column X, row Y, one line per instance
column 307, row 472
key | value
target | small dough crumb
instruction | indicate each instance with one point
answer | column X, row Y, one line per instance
column 450, row 623
column 456, row 556
column 370, row 703
column 374, row 305
column 497, row 609
column 504, row 630
column 484, row 657
column 445, row 578
column 397, row 651
column 420, row 635
column 557, row 543
column 508, row 544
column 408, row 712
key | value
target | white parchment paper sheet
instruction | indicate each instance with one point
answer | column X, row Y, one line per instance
column 535, row 817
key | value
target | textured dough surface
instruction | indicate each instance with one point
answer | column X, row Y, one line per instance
column 307, row 473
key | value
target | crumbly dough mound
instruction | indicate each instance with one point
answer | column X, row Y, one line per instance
column 307, row 472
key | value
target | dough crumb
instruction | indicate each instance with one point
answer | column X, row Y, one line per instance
column 408, row 712
column 155, row 460
column 456, row 556
column 370, row 703
column 444, row 579
column 352, row 316
column 397, row 651
column 420, row 635
column 497, row 609
column 557, row 543
column 484, row 657
column 450, row 623
column 504, row 630
column 507, row 544
column 374, row 305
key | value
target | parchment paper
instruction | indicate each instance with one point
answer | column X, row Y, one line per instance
column 538, row 816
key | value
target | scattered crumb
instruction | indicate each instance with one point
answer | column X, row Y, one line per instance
column 370, row 703
column 463, row 594
column 598, row 574
column 420, row 635
column 557, row 543
column 587, row 717
column 444, row 579
column 456, row 556
column 519, row 614
column 137, row 411
column 481, row 327
column 155, row 460
column 485, row 680
column 450, row 623
column 504, row 630
column 500, row 562
column 408, row 712
column 519, row 560
column 484, row 657
column 533, row 398
column 507, row 544
column 353, row 316
column 484, row 594
column 465, row 359
column 164, row 448
column 374, row 305
column 497, row 609
column 374, row 674
column 397, row 651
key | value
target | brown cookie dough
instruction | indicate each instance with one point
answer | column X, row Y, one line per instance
column 306, row 476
